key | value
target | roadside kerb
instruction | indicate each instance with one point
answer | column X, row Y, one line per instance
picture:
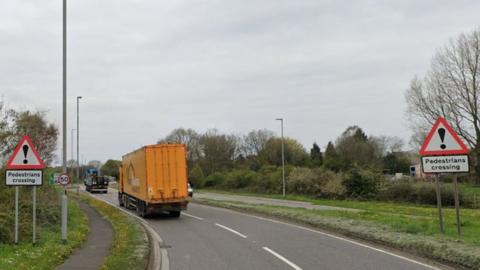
column 158, row 256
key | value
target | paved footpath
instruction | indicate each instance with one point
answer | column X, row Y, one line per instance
column 93, row 252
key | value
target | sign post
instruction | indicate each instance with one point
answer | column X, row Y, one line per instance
column 444, row 152
column 24, row 168
column 64, row 179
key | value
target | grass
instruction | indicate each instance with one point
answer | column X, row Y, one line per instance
column 130, row 248
column 49, row 250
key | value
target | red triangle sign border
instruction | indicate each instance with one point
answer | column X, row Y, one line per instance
column 11, row 166
column 441, row 120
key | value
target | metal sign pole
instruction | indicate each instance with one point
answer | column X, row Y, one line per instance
column 34, row 232
column 16, row 215
column 457, row 203
column 64, row 216
column 439, row 202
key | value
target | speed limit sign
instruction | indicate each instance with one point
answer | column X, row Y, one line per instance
column 63, row 179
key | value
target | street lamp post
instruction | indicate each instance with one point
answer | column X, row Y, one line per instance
column 71, row 150
column 78, row 139
column 283, row 156
column 64, row 131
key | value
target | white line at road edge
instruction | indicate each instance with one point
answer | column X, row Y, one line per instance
column 164, row 263
column 231, row 230
column 192, row 216
column 285, row 260
column 331, row 236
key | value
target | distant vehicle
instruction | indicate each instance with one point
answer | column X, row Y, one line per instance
column 190, row 190
column 153, row 179
column 95, row 183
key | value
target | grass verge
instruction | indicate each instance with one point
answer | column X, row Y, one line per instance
column 390, row 228
column 49, row 250
column 130, row 248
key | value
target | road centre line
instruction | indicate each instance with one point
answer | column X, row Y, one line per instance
column 231, row 230
column 192, row 216
column 285, row 260
column 329, row 235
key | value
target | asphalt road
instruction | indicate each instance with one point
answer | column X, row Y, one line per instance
column 214, row 238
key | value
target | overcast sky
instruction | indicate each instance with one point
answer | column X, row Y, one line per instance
column 145, row 67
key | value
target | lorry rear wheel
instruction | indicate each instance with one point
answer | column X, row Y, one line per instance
column 120, row 200
column 175, row 213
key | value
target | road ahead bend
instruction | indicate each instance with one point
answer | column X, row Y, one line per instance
column 208, row 238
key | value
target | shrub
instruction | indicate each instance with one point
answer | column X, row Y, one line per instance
column 334, row 186
column 238, row 179
column 364, row 184
column 196, row 177
column 420, row 192
column 48, row 215
column 303, row 181
column 214, row 180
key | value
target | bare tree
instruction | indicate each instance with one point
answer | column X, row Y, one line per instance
column 256, row 140
column 189, row 137
column 451, row 89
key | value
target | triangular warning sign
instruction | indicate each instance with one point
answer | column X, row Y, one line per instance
column 443, row 140
column 25, row 156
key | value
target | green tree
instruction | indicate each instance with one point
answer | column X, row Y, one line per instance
column 43, row 134
column 354, row 149
column 331, row 160
column 196, row 177
column 396, row 162
column 111, row 168
column 316, row 155
column 295, row 153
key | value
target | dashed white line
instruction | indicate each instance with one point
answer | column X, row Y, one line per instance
column 192, row 216
column 285, row 260
column 231, row 230
column 331, row 236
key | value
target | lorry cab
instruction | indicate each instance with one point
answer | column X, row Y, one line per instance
column 95, row 183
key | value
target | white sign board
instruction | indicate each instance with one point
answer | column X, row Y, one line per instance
column 23, row 177
column 445, row 164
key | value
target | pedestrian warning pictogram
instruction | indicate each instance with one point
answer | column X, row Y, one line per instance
column 443, row 140
column 25, row 156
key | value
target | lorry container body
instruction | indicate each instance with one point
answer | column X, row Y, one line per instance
column 154, row 178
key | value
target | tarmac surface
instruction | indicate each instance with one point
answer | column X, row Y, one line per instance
column 207, row 238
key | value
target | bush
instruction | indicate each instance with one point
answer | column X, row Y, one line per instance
column 303, row 181
column 48, row 215
column 214, row 179
column 317, row 182
column 364, row 184
column 238, row 179
column 196, row 177
column 420, row 192
column 334, row 187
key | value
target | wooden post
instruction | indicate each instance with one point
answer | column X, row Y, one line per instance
column 457, row 203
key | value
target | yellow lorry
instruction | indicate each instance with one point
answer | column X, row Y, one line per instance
column 154, row 179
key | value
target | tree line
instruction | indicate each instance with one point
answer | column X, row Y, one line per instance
column 213, row 152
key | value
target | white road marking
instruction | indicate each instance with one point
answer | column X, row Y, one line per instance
column 285, row 260
column 231, row 230
column 192, row 216
column 331, row 236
